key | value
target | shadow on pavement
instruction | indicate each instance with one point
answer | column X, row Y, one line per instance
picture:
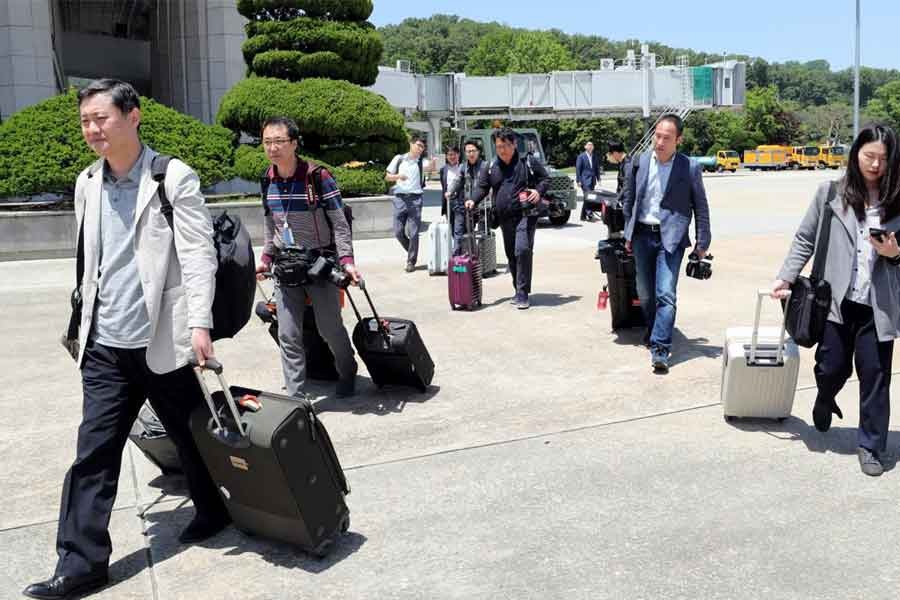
column 163, row 527
column 838, row 440
column 371, row 400
column 684, row 349
column 544, row 299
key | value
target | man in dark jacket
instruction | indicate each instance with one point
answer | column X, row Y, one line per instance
column 616, row 155
column 663, row 190
column 463, row 189
column 587, row 173
column 517, row 184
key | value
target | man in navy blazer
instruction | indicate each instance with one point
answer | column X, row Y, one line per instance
column 587, row 172
column 663, row 189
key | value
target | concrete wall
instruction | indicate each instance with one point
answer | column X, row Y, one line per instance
column 196, row 54
column 26, row 67
column 51, row 234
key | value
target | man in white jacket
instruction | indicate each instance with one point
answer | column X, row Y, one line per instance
column 147, row 289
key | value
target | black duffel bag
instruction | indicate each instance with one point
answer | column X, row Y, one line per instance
column 810, row 300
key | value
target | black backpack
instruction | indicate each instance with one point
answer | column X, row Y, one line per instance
column 236, row 273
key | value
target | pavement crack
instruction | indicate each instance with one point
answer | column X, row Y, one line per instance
column 533, row 436
column 148, row 552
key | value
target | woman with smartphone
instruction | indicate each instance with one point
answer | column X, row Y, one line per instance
column 863, row 269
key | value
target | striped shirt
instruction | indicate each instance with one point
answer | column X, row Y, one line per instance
column 287, row 203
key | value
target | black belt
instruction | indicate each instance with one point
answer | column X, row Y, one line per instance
column 647, row 227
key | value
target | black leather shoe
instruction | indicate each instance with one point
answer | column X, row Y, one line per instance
column 869, row 462
column 60, row 587
column 203, row 528
column 822, row 414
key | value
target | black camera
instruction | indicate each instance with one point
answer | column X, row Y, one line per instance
column 699, row 268
column 325, row 268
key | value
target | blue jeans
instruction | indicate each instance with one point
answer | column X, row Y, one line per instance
column 657, row 283
column 407, row 223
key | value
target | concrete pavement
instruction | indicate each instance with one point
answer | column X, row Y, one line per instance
column 546, row 461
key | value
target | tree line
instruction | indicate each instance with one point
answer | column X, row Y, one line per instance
column 787, row 103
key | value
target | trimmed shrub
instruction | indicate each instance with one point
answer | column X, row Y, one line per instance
column 337, row 10
column 249, row 162
column 359, row 42
column 294, row 66
column 329, row 114
column 42, row 149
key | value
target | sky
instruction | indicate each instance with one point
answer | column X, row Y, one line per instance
column 777, row 31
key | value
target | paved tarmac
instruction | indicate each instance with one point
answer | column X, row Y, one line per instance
column 546, row 461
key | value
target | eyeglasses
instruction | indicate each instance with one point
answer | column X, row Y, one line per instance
column 276, row 142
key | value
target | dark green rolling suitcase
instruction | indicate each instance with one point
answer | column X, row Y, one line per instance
column 274, row 465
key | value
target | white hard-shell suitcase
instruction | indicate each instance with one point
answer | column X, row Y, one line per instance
column 438, row 247
column 759, row 370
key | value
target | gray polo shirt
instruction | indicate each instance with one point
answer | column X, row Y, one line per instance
column 121, row 320
column 657, row 181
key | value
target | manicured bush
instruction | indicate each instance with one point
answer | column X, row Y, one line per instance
column 329, row 114
column 359, row 42
column 303, row 59
column 294, row 66
column 337, row 10
column 42, row 149
column 250, row 161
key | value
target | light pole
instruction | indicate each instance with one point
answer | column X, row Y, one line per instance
column 856, row 79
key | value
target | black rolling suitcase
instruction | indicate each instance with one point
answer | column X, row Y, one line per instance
column 319, row 358
column 151, row 438
column 273, row 463
column 621, row 276
column 392, row 348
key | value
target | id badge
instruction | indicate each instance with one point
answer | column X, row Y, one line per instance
column 287, row 236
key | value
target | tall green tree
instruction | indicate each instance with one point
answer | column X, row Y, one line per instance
column 766, row 118
column 885, row 105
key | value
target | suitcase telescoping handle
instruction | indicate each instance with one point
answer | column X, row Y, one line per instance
column 381, row 329
column 754, row 339
column 470, row 233
column 222, row 433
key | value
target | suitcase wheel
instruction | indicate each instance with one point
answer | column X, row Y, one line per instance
column 323, row 549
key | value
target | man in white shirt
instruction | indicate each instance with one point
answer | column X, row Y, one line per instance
column 407, row 172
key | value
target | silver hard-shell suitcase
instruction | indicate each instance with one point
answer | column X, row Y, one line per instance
column 438, row 247
column 759, row 370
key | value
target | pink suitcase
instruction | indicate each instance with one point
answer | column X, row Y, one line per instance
column 464, row 273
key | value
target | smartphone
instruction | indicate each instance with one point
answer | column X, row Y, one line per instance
column 878, row 234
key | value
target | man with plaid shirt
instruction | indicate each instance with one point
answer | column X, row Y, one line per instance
column 296, row 217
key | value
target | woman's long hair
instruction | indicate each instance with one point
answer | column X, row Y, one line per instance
column 853, row 186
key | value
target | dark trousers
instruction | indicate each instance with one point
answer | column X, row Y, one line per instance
column 585, row 205
column 115, row 384
column 518, row 243
column 841, row 344
column 458, row 227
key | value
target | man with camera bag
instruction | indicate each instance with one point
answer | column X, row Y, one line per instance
column 517, row 183
column 663, row 189
column 309, row 249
